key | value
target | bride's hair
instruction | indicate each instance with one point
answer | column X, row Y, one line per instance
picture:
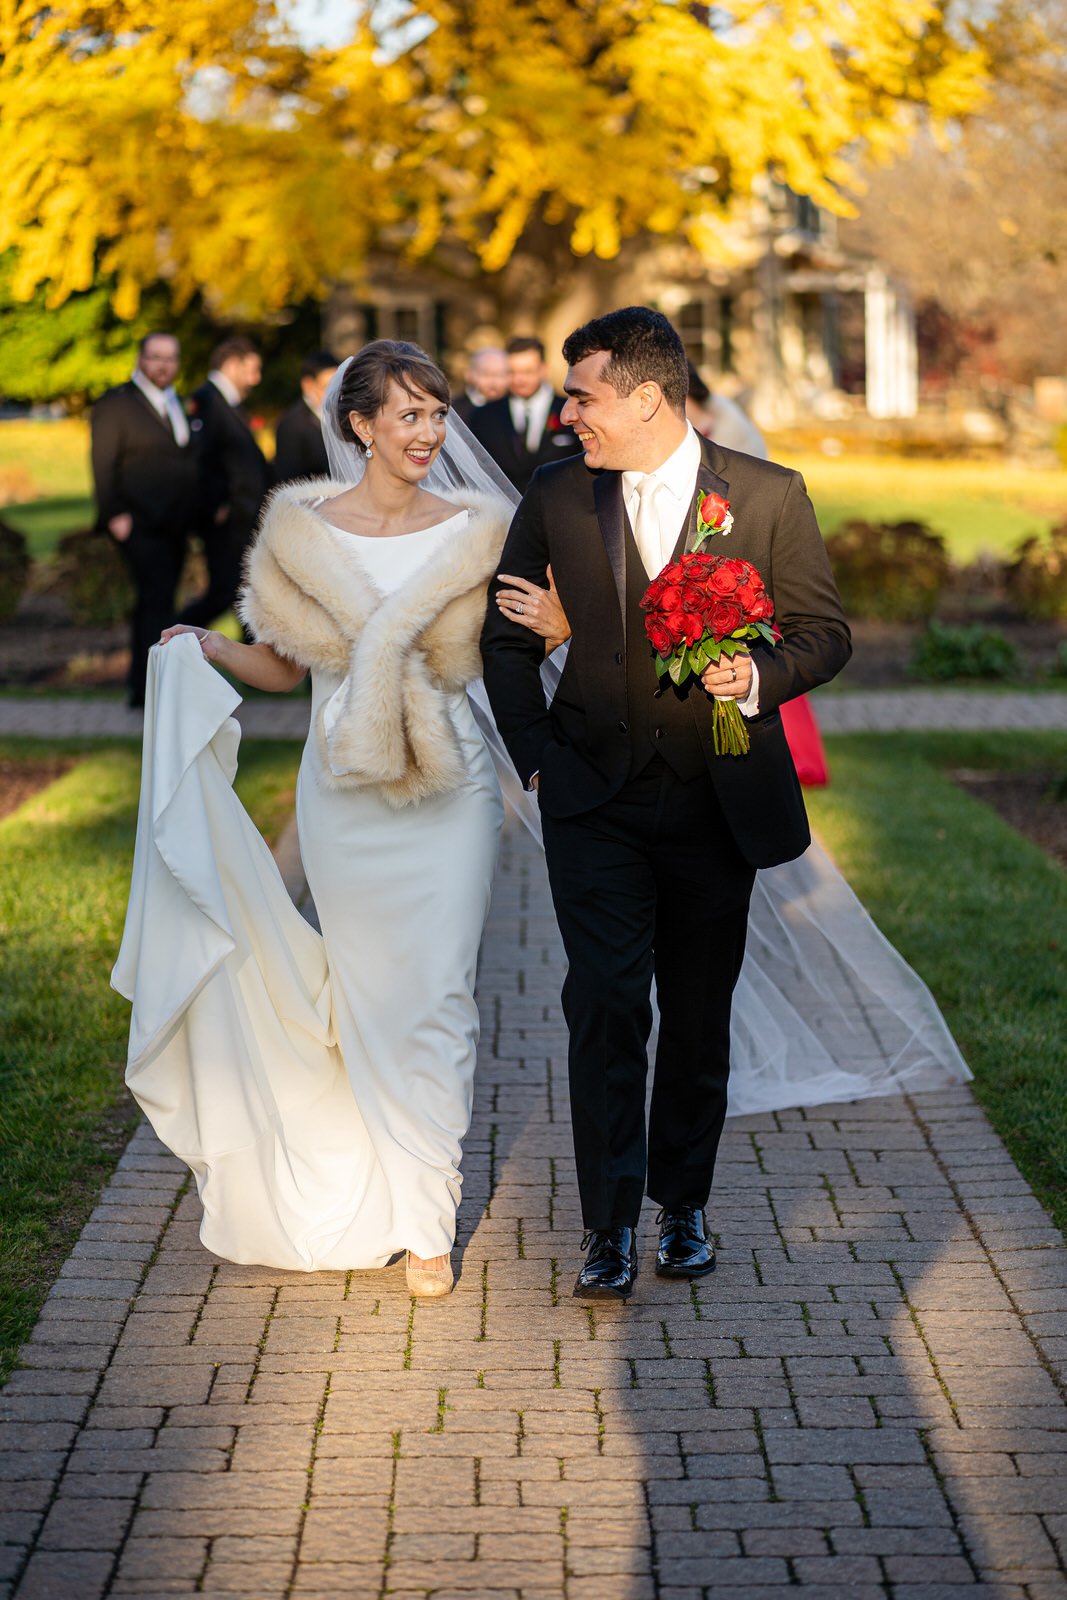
column 368, row 375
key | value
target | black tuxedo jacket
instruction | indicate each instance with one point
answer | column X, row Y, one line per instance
column 575, row 520
column 299, row 449
column 492, row 426
column 139, row 467
column 464, row 406
column 233, row 469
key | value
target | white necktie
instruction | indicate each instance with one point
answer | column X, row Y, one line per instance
column 646, row 525
column 526, row 413
column 179, row 424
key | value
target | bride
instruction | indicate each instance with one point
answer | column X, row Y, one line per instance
column 321, row 1088
column 379, row 589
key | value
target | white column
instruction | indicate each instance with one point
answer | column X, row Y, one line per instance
column 892, row 362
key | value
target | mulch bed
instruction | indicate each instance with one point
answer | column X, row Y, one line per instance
column 1026, row 801
column 40, row 647
column 20, row 780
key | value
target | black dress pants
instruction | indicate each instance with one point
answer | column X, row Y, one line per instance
column 155, row 560
column 649, row 884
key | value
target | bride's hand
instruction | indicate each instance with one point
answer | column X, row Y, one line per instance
column 535, row 608
column 209, row 642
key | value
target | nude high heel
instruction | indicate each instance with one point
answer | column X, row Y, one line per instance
column 429, row 1283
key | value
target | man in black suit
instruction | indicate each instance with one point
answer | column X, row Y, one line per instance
column 299, row 450
column 652, row 840
column 233, row 473
column 145, row 478
column 524, row 430
column 486, row 380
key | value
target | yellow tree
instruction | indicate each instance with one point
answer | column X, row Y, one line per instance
column 202, row 143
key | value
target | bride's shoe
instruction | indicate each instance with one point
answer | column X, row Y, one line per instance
column 429, row 1282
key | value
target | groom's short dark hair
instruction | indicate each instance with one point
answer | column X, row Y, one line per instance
column 642, row 346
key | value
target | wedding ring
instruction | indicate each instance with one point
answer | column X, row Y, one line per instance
column 520, row 608
column 733, row 675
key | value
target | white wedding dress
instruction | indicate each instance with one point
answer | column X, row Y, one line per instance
column 320, row 1086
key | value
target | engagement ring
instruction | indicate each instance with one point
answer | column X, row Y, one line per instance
column 520, row 608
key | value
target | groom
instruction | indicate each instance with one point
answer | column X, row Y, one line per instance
column 652, row 841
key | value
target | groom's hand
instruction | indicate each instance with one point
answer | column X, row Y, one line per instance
column 729, row 677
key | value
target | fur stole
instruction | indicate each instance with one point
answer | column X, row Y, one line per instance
column 388, row 724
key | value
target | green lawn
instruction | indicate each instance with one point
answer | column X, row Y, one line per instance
column 65, row 860
column 44, row 472
column 45, row 521
column 975, row 505
column 977, row 910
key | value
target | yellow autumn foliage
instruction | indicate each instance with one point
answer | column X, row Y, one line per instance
column 201, row 142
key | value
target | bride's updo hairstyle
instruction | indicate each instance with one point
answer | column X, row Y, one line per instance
column 367, row 376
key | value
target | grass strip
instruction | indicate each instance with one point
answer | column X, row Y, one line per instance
column 975, row 505
column 978, row 911
column 65, row 859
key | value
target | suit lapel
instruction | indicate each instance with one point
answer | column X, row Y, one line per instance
column 163, row 422
column 708, row 482
column 611, row 515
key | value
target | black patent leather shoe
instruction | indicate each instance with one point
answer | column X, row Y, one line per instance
column 685, row 1250
column 611, row 1265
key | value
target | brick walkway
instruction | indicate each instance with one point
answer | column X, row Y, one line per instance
column 851, row 711
column 864, row 1401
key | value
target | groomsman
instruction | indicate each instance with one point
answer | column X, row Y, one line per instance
column 299, row 448
column 146, row 489
column 525, row 430
column 233, row 473
column 486, row 379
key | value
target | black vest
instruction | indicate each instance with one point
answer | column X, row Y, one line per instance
column 660, row 717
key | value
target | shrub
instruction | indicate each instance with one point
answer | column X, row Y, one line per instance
column 891, row 570
column 944, row 653
column 92, row 578
column 1037, row 578
column 14, row 569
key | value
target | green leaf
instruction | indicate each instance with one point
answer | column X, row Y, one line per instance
column 662, row 667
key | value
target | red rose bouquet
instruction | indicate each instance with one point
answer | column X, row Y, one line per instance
column 699, row 609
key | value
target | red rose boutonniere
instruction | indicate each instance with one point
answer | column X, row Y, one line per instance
column 553, row 424
column 713, row 516
column 699, row 609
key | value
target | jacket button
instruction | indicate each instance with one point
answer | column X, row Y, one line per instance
column 618, row 658
column 658, row 732
column 624, row 727
column 657, row 694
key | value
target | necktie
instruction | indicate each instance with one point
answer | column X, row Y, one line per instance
column 175, row 416
column 646, row 525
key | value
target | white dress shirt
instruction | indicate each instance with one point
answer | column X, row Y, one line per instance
column 229, row 391
column 167, row 404
column 674, row 484
column 530, row 416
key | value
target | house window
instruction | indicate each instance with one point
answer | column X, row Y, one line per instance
column 706, row 328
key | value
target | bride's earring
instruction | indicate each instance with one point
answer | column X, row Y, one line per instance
column 369, row 450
